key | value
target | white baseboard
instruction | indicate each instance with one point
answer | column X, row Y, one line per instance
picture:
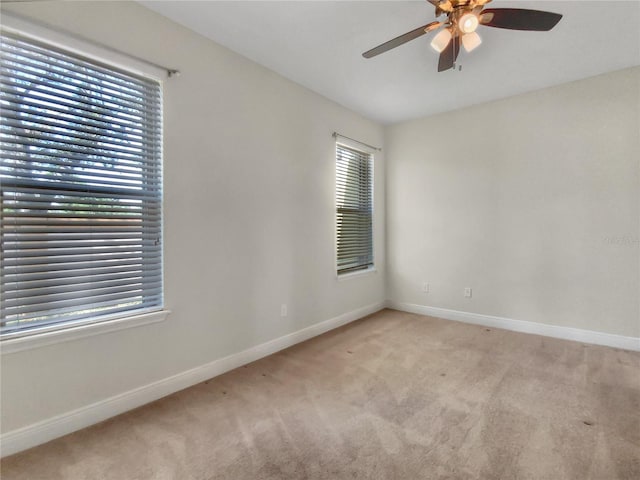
column 44, row 431
column 566, row 333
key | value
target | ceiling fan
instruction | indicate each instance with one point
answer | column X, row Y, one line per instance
column 463, row 18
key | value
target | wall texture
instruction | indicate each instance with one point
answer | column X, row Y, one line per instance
column 249, row 170
column 532, row 201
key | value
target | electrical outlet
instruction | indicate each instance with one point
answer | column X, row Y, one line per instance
column 467, row 292
column 425, row 287
column 283, row 310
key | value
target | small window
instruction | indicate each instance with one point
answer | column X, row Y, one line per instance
column 80, row 190
column 354, row 209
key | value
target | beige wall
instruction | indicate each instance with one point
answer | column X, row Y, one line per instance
column 249, row 171
column 532, row 201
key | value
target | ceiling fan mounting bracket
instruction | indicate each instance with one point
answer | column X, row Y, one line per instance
column 450, row 6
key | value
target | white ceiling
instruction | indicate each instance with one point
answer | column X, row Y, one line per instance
column 319, row 44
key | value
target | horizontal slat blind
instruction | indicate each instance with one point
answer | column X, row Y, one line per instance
column 354, row 209
column 81, row 186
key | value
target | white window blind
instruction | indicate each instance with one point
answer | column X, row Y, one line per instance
column 354, row 209
column 81, row 189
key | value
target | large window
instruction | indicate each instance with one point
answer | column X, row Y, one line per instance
column 80, row 178
column 354, row 209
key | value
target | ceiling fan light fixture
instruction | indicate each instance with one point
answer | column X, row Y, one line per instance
column 463, row 19
column 441, row 40
column 468, row 22
column 471, row 41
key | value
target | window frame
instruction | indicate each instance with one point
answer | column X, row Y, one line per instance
column 370, row 269
column 18, row 340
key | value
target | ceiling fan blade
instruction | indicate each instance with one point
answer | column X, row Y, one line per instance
column 519, row 19
column 449, row 55
column 396, row 42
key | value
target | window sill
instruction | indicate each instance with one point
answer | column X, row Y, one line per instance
column 41, row 338
column 358, row 273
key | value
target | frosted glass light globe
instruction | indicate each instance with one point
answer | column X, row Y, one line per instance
column 470, row 41
column 441, row 40
column 468, row 23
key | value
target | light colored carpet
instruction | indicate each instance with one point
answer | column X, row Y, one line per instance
column 392, row 396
